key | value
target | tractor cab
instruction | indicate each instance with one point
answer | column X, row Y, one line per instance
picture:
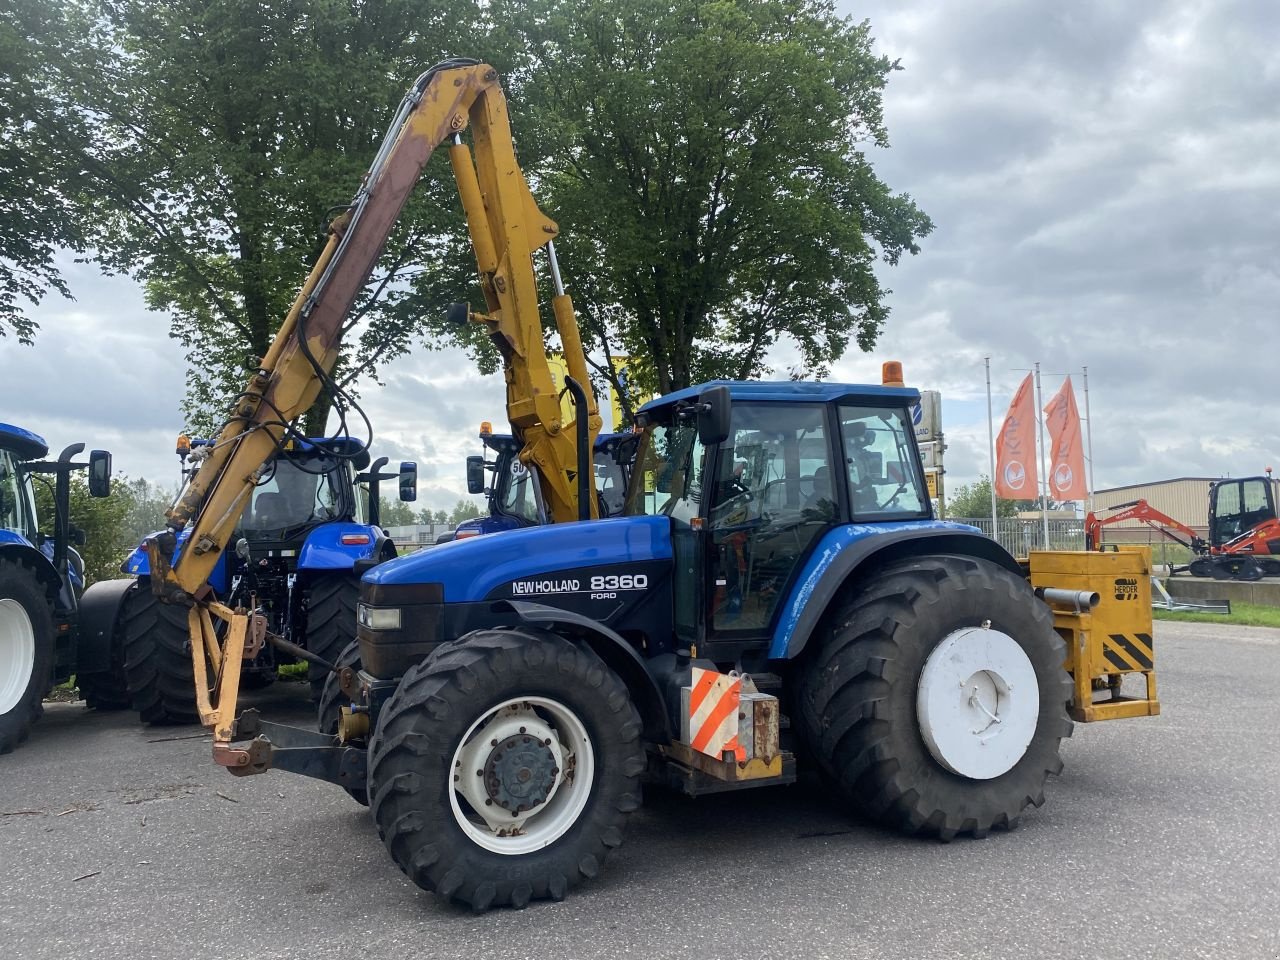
column 514, row 497
column 17, row 499
column 1237, row 507
column 753, row 476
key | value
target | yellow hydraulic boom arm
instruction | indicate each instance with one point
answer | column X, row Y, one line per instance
column 506, row 227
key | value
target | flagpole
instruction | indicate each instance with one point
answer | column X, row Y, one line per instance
column 991, row 449
column 1088, row 433
column 1044, row 469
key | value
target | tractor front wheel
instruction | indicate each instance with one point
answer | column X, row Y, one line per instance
column 504, row 767
column 937, row 697
column 331, row 622
column 26, row 651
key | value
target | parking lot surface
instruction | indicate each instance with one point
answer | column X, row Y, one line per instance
column 1160, row 839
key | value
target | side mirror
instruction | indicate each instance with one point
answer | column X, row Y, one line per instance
column 715, row 406
column 475, row 474
column 408, row 480
column 99, row 473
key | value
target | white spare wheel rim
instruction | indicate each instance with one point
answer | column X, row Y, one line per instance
column 978, row 703
column 17, row 653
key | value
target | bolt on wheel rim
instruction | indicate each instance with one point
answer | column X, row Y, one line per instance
column 522, row 775
column 17, row 653
column 978, row 702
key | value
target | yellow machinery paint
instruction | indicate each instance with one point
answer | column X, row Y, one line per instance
column 1111, row 641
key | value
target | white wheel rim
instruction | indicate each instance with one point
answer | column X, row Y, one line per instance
column 17, row 653
column 561, row 770
column 978, row 702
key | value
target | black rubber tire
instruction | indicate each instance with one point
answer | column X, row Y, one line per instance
column 422, row 725
column 19, row 583
column 1201, row 567
column 332, row 700
column 157, row 658
column 331, row 622
column 858, row 693
column 109, row 690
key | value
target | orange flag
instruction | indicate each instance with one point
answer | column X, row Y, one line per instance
column 1016, row 477
column 1066, row 463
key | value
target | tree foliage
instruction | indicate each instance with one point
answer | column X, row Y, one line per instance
column 973, row 500
column 42, row 140
column 112, row 525
column 708, row 164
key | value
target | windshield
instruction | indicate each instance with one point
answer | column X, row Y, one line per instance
column 17, row 505
column 611, row 483
column 668, row 474
column 292, row 494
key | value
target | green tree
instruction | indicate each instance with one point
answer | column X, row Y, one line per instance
column 397, row 513
column 463, row 510
column 107, row 539
column 708, row 164
column 973, row 500
column 223, row 133
column 40, row 172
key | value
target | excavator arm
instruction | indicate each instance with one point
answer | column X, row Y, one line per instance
column 1142, row 511
column 506, row 228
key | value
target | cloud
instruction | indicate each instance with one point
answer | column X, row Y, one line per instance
column 1102, row 177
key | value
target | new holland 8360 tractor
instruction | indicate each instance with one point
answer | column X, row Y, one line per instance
column 776, row 592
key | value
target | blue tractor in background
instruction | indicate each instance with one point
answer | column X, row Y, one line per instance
column 515, row 500
column 50, row 627
column 310, row 530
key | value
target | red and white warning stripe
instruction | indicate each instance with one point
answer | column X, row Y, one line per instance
column 713, row 714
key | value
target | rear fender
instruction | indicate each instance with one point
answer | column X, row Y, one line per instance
column 99, row 614
column 324, row 550
column 614, row 650
column 138, row 564
column 849, row 553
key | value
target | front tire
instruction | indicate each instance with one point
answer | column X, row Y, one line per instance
column 157, row 658
column 504, row 768
column 26, row 651
column 937, row 699
column 331, row 622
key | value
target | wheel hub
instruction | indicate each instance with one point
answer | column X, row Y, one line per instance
column 520, row 773
column 978, row 702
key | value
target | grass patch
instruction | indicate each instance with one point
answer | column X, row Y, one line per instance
column 1243, row 614
column 292, row 671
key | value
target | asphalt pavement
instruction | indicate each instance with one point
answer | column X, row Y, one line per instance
column 1160, row 839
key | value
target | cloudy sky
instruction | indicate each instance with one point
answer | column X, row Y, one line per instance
column 1105, row 180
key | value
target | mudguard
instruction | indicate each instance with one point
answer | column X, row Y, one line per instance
column 139, row 565
column 614, row 650
column 859, row 547
column 324, row 550
column 99, row 614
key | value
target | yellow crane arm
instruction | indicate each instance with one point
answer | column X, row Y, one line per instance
column 506, row 228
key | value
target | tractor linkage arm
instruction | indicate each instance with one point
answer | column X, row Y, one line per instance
column 505, row 227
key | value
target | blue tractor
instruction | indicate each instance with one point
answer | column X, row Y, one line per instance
column 310, row 529
column 514, row 499
column 50, row 627
column 777, row 593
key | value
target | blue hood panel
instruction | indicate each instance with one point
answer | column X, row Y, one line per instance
column 470, row 569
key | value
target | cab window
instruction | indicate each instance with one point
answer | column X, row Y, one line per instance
column 880, row 463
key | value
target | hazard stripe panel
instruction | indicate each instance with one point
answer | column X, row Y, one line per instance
column 1129, row 652
column 713, row 714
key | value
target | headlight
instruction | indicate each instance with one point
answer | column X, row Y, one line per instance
column 378, row 618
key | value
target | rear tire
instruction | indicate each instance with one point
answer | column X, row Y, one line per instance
column 26, row 651
column 907, row 745
column 545, row 703
column 332, row 700
column 331, row 622
column 157, row 658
